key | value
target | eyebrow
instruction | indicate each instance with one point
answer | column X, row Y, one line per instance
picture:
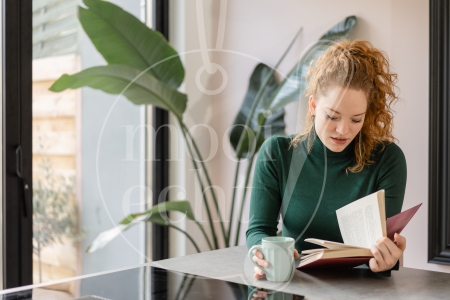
column 340, row 113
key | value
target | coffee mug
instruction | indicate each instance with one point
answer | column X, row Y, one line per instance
column 279, row 253
column 271, row 295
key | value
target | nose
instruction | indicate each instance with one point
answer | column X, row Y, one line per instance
column 343, row 128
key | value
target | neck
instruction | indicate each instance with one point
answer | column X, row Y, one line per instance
column 320, row 150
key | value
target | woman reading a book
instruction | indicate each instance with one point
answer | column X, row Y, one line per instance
column 346, row 152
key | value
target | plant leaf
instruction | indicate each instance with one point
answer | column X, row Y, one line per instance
column 122, row 39
column 107, row 236
column 152, row 215
column 293, row 87
column 114, row 79
column 341, row 29
column 275, row 121
column 181, row 206
column 244, row 143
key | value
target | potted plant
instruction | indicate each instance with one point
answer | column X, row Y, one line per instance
column 143, row 67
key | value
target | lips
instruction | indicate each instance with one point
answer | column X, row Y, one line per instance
column 339, row 141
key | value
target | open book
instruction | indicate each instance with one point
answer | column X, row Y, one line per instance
column 361, row 223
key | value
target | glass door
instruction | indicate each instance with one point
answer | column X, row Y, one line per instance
column 88, row 152
column 74, row 161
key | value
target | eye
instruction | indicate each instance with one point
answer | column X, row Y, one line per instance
column 356, row 121
column 331, row 118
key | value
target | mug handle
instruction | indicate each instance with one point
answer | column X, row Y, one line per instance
column 250, row 254
column 250, row 296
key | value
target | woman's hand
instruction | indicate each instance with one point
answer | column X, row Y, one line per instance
column 261, row 294
column 386, row 253
column 259, row 259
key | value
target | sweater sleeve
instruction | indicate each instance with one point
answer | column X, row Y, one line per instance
column 265, row 201
column 392, row 178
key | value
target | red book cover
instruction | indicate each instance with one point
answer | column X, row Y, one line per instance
column 394, row 224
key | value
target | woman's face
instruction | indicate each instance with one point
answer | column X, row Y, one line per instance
column 339, row 116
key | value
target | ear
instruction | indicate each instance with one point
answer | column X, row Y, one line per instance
column 312, row 105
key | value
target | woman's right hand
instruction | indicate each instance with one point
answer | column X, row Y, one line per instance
column 258, row 258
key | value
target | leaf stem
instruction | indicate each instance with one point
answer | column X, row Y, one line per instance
column 259, row 95
column 180, row 289
column 190, row 285
column 187, row 235
column 204, row 234
column 208, row 181
column 205, row 200
column 247, row 179
column 233, row 200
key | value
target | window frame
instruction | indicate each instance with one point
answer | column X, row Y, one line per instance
column 17, row 224
column 439, row 134
column 160, row 165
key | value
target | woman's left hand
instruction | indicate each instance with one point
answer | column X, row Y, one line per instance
column 386, row 253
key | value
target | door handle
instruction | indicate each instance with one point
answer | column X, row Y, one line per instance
column 26, row 188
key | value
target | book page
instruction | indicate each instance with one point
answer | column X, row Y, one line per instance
column 329, row 244
column 382, row 206
column 328, row 253
column 360, row 221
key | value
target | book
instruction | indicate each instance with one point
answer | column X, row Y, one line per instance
column 361, row 223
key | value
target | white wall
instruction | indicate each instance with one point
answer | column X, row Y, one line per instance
column 260, row 30
column 177, row 240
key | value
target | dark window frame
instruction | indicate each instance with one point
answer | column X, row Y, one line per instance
column 17, row 263
column 160, row 163
column 439, row 134
column 160, row 160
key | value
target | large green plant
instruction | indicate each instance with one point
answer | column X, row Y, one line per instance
column 147, row 70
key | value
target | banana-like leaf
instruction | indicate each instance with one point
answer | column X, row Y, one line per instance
column 341, row 29
column 275, row 123
column 256, row 97
column 138, row 88
column 155, row 215
column 107, row 236
column 181, row 206
column 293, row 87
column 122, row 39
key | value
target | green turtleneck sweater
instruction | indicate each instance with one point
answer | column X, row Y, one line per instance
column 307, row 189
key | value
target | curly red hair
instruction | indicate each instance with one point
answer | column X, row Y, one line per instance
column 357, row 65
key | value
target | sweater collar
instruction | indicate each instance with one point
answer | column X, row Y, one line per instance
column 344, row 155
